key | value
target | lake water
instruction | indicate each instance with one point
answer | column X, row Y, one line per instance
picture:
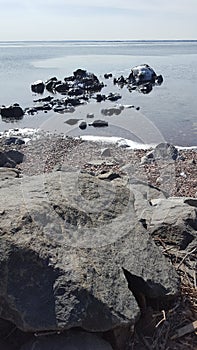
column 168, row 113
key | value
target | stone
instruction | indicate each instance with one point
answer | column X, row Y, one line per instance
column 14, row 140
column 16, row 156
column 62, row 88
column 99, row 123
column 65, row 238
column 142, row 73
column 112, row 110
column 113, row 97
column 174, row 220
column 11, row 158
column 162, row 152
column 13, row 111
column 165, row 151
column 90, row 115
column 73, row 340
column 109, row 175
column 38, row 87
column 51, row 83
column 83, row 125
column 107, row 75
column 106, row 152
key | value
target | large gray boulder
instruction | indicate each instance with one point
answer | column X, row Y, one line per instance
column 65, row 239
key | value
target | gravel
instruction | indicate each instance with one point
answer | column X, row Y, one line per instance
column 57, row 152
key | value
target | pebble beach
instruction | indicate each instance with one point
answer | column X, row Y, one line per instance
column 50, row 152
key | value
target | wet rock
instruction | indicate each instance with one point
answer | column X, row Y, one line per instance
column 159, row 80
column 100, row 98
column 77, row 91
column 62, row 88
column 145, row 88
column 112, row 110
column 142, row 74
column 38, row 87
column 107, row 75
column 51, row 83
column 99, row 123
column 90, row 115
column 45, row 99
column 87, row 81
column 113, row 97
column 13, row 111
column 142, row 78
column 82, row 125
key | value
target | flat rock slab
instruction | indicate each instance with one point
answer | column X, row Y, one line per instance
column 65, row 238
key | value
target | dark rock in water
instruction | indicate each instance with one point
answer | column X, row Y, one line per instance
column 59, row 108
column 72, row 101
column 83, row 125
column 13, row 111
column 99, row 123
column 113, row 97
column 107, row 75
column 145, row 88
column 142, row 74
column 77, row 91
column 112, row 110
column 80, row 73
column 14, row 140
column 43, row 107
column 159, row 80
column 45, row 99
column 100, row 97
column 142, row 78
column 38, row 87
column 87, row 81
column 62, row 88
column 51, row 83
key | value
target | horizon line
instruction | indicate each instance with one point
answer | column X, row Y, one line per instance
column 101, row 40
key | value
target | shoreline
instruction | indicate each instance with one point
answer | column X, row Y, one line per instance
column 46, row 152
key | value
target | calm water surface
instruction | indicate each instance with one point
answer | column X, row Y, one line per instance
column 169, row 110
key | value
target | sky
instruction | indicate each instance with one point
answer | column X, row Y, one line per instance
column 98, row 19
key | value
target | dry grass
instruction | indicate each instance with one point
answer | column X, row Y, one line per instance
column 184, row 311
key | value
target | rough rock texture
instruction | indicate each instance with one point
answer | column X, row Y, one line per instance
column 65, row 238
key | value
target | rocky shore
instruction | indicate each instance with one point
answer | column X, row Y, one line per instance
column 98, row 245
column 98, row 241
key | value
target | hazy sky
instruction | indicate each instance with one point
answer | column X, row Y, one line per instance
column 97, row 19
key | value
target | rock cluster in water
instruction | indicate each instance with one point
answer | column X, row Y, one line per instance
column 80, row 88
